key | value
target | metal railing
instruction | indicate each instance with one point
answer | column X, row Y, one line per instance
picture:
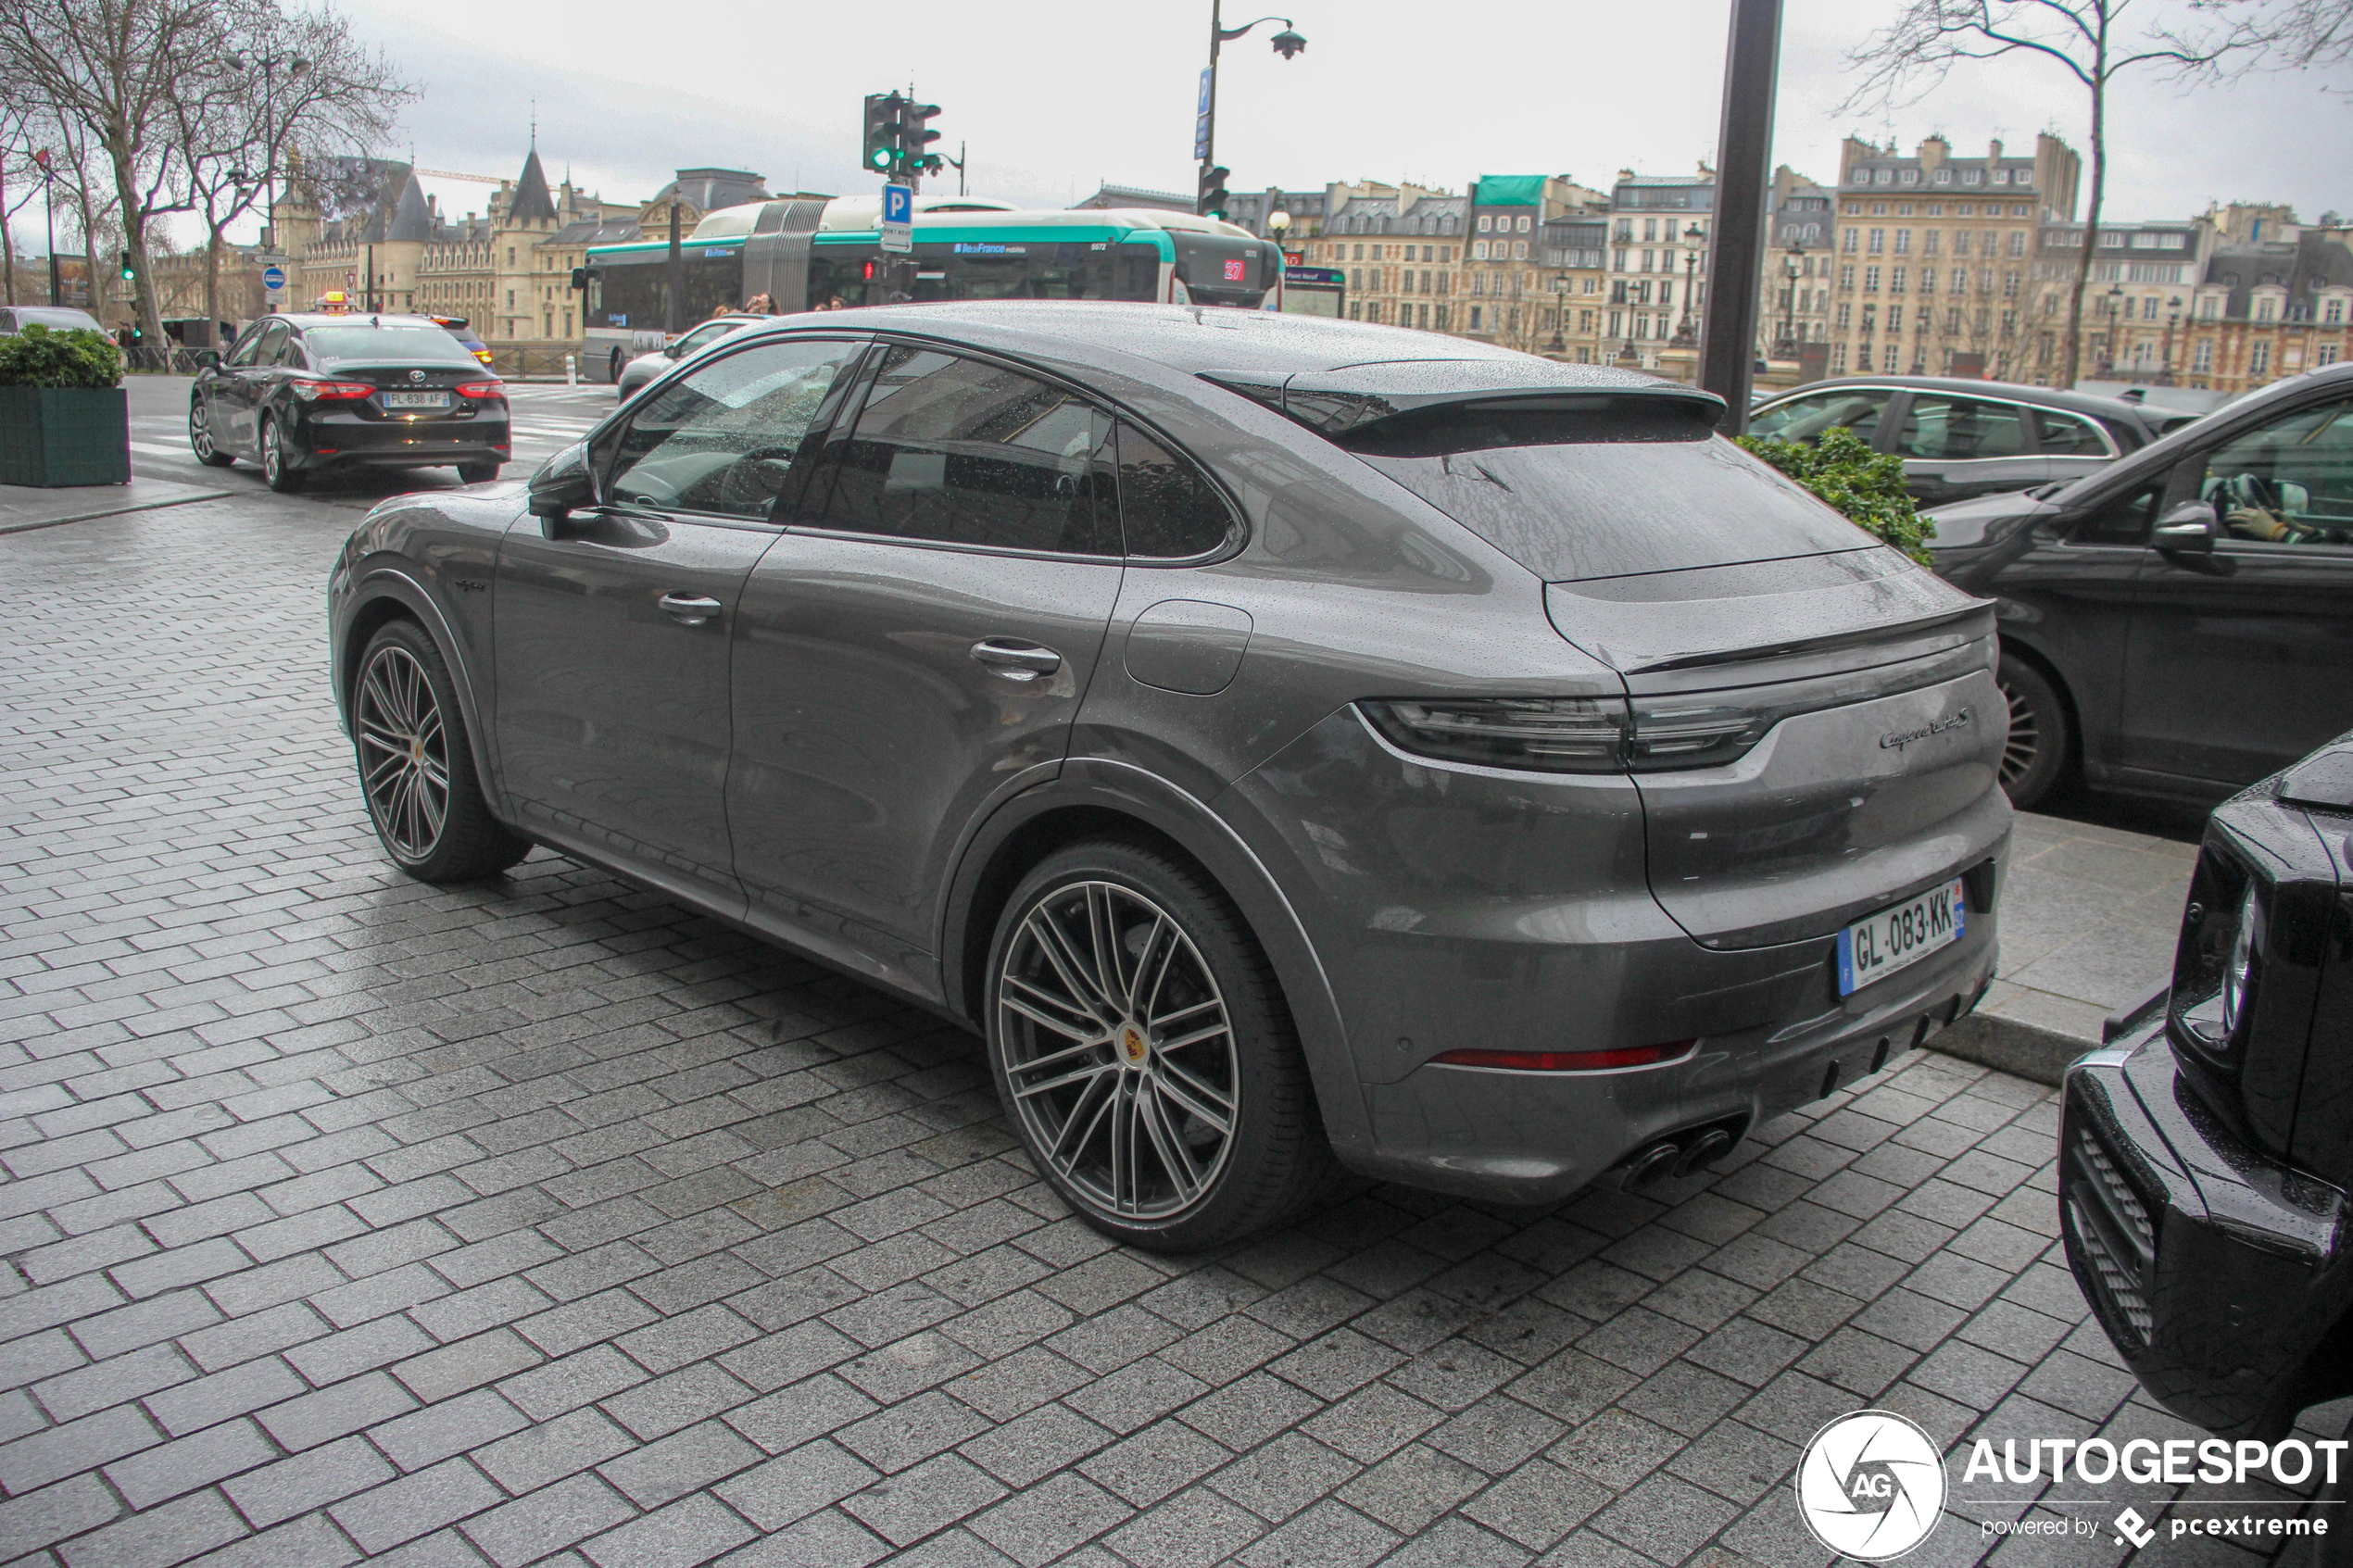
column 531, row 361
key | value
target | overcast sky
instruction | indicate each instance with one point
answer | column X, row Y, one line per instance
column 1055, row 95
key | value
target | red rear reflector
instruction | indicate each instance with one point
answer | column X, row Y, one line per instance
column 1571, row 1062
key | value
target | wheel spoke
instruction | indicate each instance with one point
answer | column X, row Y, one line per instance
column 1056, row 1061
column 1070, row 1012
column 1123, row 1149
column 1196, row 1097
column 1087, row 1073
column 1168, row 1148
column 1169, row 1020
column 1209, row 1031
column 1078, row 1127
column 1066, row 961
column 1138, row 988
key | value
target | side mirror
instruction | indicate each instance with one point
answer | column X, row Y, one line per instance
column 563, row 483
column 206, row 359
column 674, row 350
column 2188, row 528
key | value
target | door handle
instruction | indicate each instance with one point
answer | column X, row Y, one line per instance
column 1016, row 661
column 690, row 609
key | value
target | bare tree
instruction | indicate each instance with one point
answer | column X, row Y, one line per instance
column 2288, row 34
column 2091, row 39
column 282, row 83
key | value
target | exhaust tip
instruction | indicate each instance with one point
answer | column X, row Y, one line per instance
column 1709, row 1145
column 1651, row 1164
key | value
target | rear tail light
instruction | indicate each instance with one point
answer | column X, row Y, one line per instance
column 316, row 391
column 1551, row 734
column 1571, row 1062
column 484, row 391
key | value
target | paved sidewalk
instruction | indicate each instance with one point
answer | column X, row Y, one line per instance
column 2088, row 926
column 544, row 1223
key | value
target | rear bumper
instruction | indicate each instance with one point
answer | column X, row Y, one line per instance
column 2221, row 1276
column 335, row 439
column 1535, row 1137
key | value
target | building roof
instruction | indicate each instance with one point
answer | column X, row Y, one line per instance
column 594, row 232
column 1110, row 195
column 412, row 220
column 532, row 203
column 708, row 190
column 2311, row 262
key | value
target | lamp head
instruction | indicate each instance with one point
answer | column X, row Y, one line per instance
column 1279, row 221
column 1288, row 43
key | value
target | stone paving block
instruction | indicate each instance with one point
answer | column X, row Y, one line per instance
column 308, row 1481
column 159, row 1536
column 153, row 1474
column 547, row 1519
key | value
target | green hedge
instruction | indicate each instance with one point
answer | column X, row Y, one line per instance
column 77, row 357
column 1867, row 486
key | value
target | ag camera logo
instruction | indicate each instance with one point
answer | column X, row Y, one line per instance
column 1871, row 1485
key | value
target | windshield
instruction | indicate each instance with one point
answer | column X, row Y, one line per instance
column 424, row 344
column 1573, row 495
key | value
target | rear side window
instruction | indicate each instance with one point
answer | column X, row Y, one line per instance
column 1803, row 418
column 2069, row 435
column 959, row 452
column 1572, row 495
column 1959, row 429
column 1167, row 507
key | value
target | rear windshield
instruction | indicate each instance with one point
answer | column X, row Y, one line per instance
column 422, row 345
column 1571, row 495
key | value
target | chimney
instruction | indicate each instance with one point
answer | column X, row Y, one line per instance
column 1995, row 155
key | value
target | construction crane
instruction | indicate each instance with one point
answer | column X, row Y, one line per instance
column 453, row 174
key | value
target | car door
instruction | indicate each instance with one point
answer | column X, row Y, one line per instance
column 613, row 624
column 237, row 392
column 2242, row 652
column 916, row 646
column 1954, row 447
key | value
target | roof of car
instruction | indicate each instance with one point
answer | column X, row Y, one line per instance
column 2051, row 397
column 352, row 318
column 1220, row 340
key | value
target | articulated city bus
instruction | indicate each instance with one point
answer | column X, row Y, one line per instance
column 817, row 253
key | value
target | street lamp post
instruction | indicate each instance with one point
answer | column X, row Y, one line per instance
column 1693, row 237
column 1792, row 266
column 49, row 213
column 2173, row 319
column 1278, row 222
column 2115, row 311
column 1288, row 43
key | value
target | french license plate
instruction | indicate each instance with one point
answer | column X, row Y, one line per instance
column 415, row 399
column 1872, row 949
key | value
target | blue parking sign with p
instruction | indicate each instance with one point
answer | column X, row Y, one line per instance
column 899, row 204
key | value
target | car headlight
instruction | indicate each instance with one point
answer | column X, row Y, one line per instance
column 2238, row 971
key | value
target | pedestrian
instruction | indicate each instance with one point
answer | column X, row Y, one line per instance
column 759, row 304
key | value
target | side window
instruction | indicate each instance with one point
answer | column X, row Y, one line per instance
column 2289, row 481
column 242, row 351
column 1168, row 508
column 1803, row 419
column 1957, row 429
column 724, row 439
column 286, row 350
column 2123, row 519
column 2069, row 435
column 264, row 349
column 960, row 452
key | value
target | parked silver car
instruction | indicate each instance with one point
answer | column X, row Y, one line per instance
column 646, row 367
column 1294, row 744
column 14, row 319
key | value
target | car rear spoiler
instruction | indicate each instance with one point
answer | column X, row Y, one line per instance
column 1351, row 397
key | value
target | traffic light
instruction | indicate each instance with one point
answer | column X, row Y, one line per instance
column 129, row 272
column 882, row 132
column 1213, row 192
column 915, row 136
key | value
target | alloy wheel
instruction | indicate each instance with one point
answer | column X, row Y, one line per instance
column 1118, row 1051
column 2026, row 737
column 404, row 753
column 199, row 432
column 273, row 453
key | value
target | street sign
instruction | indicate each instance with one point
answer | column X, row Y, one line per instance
column 898, row 218
column 273, row 278
column 1201, row 114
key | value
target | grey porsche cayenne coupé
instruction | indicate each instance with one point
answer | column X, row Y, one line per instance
column 1295, row 745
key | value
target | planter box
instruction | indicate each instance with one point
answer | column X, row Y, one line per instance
column 57, row 435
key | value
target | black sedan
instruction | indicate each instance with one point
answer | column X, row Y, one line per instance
column 2205, row 1157
column 1963, row 438
column 302, row 393
column 2180, row 623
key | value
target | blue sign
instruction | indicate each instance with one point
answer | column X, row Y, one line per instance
column 1201, row 114
column 273, row 278
column 899, row 204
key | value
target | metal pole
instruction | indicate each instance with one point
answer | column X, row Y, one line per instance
column 1743, row 154
column 1209, row 127
column 674, row 314
column 49, row 211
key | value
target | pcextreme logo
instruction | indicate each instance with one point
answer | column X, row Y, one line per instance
column 1871, row 1485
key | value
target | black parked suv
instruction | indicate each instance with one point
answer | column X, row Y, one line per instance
column 1960, row 438
column 2205, row 1156
column 2180, row 622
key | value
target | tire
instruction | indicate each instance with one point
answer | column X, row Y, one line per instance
column 416, row 770
column 2039, row 755
column 1117, row 1084
column 477, row 473
column 200, row 437
column 279, row 475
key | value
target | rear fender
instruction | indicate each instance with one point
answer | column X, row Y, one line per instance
column 1132, row 793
